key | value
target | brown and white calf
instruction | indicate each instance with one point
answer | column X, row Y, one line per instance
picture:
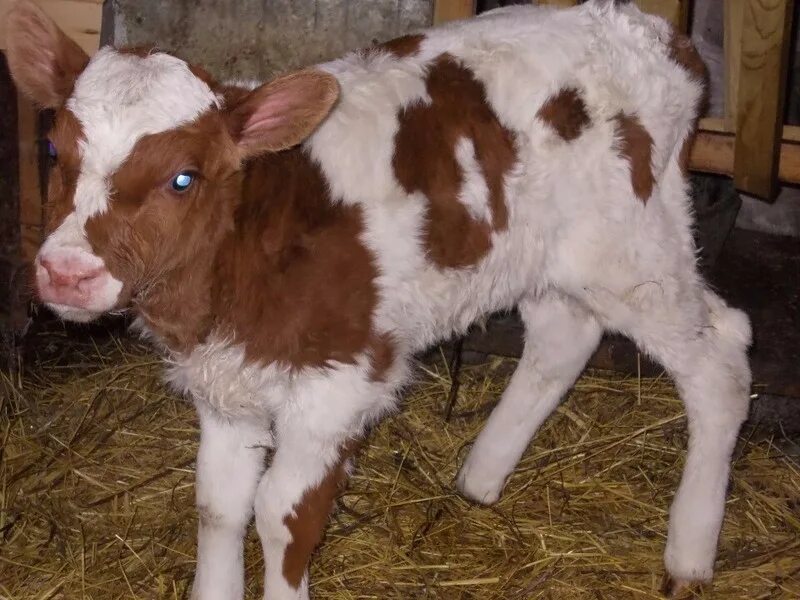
column 289, row 246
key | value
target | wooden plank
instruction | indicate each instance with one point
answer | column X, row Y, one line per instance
column 715, row 153
column 762, row 83
column 30, row 192
column 732, row 40
column 562, row 3
column 80, row 20
column 452, row 10
column 790, row 133
column 715, row 124
column 674, row 11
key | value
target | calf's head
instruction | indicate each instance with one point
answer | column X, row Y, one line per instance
column 147, row 156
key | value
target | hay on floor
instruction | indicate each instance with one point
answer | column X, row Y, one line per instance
column 96, row 495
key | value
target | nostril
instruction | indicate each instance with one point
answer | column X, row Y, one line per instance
column 86, row 278
column 42, row 270
column 93, row 273
column 70, row 276
column 46, row 264
column 56, row 276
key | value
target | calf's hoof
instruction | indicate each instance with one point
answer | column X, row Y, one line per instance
column 677, row 588
column 478, row 486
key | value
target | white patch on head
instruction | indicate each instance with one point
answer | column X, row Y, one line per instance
column 474, row 193
column 118, row 99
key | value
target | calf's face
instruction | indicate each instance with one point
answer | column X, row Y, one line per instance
column 147, row 157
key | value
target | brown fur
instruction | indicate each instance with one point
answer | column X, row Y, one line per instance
column 405, row 45
column 566, row 113
column 683, row 52
column 636, row 146
column 686, row 152
column 65, row 136
column 424, row 161
column 296, row 267
column 307, row 524
column 382, row 355
column 162, row 244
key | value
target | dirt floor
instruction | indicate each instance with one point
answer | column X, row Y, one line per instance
column 96, row 492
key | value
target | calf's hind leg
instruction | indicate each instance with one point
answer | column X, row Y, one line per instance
column 703, row 345
column 560, row 336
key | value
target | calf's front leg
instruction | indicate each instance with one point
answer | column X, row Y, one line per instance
column 293, row 503
column 229, row 464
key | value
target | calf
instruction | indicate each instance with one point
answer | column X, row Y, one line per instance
column 290, row 245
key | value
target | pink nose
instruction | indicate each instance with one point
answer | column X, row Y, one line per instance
column 71, row 279
column 70, row 275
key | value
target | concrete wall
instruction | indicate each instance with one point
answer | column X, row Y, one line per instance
column 259, row 38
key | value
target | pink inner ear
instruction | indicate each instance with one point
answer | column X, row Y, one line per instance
column 271, row 114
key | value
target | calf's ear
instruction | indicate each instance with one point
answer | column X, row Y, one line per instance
column 282, row 113
column 43, row 61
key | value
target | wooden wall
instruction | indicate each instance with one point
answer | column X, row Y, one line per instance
column 21, row 175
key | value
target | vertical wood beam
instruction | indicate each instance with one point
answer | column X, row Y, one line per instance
column 733, row 13
column 452, row 10
column 762, row 86
column 30, row 191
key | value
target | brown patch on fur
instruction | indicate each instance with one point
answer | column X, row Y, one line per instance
column 636, row 146
column 686, row 151
column 63, row 177
column 232, row 95
column 425, row 161
column 566, row 113
column 682, row 51
column 382, row 353
column 296, row 267
column 161, row 244
column 307, row 524
column 403, row 46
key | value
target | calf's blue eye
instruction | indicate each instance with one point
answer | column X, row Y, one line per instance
column 51, row 150
column 182, row 181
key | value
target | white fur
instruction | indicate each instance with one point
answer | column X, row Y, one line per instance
column 474, row 193
column 118, row 99
column 229, row 465
column 581, row 254
column 560, row 337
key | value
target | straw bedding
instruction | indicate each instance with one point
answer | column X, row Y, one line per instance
column 96, row 494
